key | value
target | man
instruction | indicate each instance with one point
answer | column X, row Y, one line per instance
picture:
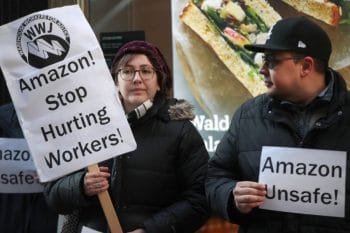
column 22, row 212
column 306, row 106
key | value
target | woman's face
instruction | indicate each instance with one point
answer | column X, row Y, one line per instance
column 137, row 82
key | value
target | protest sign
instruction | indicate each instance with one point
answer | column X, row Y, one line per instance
column 88, row 230
column 17, row 170
column 62, row 90
column 304, row 181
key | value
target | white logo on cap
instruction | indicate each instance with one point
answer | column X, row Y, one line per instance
column 269, row 33
column 301, row 44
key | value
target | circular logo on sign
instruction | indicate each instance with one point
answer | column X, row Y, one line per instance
column 42, row 40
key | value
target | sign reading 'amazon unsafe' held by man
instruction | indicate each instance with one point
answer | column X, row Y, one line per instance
column 305, row 181
column 63, row 92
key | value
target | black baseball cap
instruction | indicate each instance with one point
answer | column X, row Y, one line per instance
column 296, row 34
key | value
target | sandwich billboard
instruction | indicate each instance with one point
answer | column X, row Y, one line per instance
column 211, row 66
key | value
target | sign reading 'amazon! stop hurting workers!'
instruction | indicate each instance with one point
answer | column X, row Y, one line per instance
column 63, row 92
column 305, row 181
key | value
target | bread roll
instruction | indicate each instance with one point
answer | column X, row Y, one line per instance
column 198, row 22
column 325, row 11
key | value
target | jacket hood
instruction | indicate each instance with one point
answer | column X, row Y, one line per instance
column 181, row 110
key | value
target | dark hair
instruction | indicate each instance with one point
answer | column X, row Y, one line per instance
column 320, row 65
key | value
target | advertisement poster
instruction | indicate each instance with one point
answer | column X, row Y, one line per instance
column 212, row 69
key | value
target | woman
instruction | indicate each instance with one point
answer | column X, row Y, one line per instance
column 159, row 187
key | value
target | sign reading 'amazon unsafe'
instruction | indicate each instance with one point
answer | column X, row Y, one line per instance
column 304, row 181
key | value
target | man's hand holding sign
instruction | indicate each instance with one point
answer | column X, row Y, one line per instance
column 249, row 195
column 63, row 93
column 296, row 180
column 304, row 180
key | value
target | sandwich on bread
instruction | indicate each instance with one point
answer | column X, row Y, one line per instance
column 327, row 11
column 226, row 26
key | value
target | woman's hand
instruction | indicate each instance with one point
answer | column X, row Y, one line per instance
column 96, row 182
column 248, row 195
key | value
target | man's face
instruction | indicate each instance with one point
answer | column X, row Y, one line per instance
column 282, row 75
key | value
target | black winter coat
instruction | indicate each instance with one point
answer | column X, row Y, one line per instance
column 22, row 213
column 158, row 187
column 262, row 121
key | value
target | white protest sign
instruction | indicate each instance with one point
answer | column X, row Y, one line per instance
column 88, row 230
column 17, row 170
column 63, row 92
column 304, row 181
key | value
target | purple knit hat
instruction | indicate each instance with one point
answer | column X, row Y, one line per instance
column 154, row 55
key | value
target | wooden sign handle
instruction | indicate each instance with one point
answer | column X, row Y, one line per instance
column 107, row 206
